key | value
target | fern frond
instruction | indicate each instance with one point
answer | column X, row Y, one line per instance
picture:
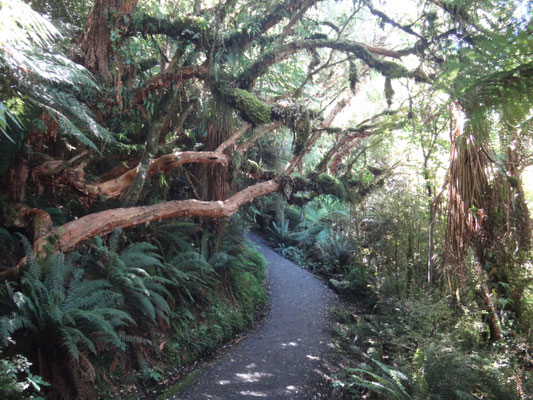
column 9, row 325
column 143, row 304
column 114, row 239
column 141, row 255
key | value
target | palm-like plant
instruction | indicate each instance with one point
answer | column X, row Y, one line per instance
column 62, row 315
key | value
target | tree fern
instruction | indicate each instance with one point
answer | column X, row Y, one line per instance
column 41, row 78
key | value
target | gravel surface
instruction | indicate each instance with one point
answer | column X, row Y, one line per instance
column 282, row 359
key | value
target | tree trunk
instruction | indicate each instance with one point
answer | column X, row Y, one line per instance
column 96, row 44
column 431, row 218
column 150, row 151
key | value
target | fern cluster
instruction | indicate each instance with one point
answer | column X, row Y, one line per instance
column 55, row 311
column 128, row 271
column 310, row 236
column 67, row 309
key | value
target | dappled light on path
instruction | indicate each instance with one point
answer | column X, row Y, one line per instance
column 282, row 358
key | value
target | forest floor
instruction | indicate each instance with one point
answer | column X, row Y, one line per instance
column 285, row 357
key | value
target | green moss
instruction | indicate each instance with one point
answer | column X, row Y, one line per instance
column 328, row 184
column 179, row 387
column 389, row 91
column 298, row 118
column 252, row 167
column 353, row 76
column 390, row 69
column 235, row 165
column 302, row 130
column 250, row 107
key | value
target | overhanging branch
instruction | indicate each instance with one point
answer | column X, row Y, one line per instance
column 70, row 235
column 364, row 52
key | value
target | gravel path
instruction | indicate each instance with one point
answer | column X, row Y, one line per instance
column 282, row 358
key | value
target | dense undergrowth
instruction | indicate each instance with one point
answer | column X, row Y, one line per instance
column 123, row 315
column 398, row 338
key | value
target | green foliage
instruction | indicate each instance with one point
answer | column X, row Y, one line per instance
column 293, row 253
column 390, row 383
column 452, row 374
column 282, row 234
column 328, row 184
column 16, row 380
column 129, row 274
column 189, row 274
column 220, row 317
column 337, row 250
column 71, row 315
column 55, row 302
column 423, row 336
column 5, row 116
column 41, row 77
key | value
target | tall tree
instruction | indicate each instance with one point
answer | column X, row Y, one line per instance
column 201, row 83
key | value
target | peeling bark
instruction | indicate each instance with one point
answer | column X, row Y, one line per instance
column 116, row 187
column 119, row 179
column 34, row 220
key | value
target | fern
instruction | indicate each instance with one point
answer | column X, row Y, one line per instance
column 32, row 265
column 282, row 233
column 41, row 78
column 386, row 381
column 56, row 302
column 189, row 273
column 5, row 239
column 132, row 273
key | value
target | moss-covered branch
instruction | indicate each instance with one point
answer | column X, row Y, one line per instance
column 254, row 111
column 253, row 169
column 351, row 190
column 349, row 137
column 261, row 24
column 367, row 54
column 190, row 29
column 251, row 109
column 385, row 18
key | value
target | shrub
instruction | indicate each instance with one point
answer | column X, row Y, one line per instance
column 16, row 380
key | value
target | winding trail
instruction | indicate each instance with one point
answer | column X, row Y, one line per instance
column 282, row 358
